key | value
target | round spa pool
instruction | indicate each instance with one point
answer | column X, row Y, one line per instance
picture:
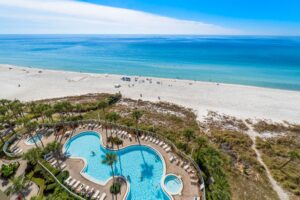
column 35, row 139
column 173, row 184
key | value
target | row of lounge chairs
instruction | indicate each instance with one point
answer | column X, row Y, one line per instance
column 50, row 158
column 156, row 141
column 16, row 150
column 90, row 126
column 83, row 189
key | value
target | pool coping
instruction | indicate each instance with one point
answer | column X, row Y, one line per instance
column 89, row 178
column 181, row 188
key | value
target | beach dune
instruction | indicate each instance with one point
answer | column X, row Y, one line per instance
column 240, row 101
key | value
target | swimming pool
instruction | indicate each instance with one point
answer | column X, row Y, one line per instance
column 142, row 166
column 173, row 184
column 36, row 138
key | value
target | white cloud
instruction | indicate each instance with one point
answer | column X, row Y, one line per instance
column 66, row 16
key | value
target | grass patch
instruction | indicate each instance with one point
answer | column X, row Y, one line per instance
column 275, row 152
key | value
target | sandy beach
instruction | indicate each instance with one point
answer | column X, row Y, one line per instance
column 243, row 102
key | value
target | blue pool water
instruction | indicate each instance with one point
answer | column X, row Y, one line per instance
column 140, row 165
column 173, row 184
column 259, row 61
column 36, row 138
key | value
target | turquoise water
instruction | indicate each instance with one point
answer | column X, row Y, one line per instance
column 140, row 165
column 36, row 138
column 259, row 61
column 173, row 184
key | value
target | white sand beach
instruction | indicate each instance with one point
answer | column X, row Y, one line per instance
column 241, row 101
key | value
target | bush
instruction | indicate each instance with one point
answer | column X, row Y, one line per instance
column 8, row 170
column 115, row 188
column 62, row 176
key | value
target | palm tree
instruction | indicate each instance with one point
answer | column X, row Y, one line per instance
column 32, row 156
column 293, row 155
column 112, row 117
column 55, row 147
column 102, row 105
column 110, row 159
column 137, row 114
column 48, row 113
column 18, row 185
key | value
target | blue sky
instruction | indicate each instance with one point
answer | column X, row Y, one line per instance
column 245, row 17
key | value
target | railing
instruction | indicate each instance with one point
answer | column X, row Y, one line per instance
column 62, row 185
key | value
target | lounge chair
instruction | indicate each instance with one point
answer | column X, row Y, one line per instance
column 54, row 162
column 142, row 137
column 168, row 149
column 154, row 140
column 165, row 146
column 146, row 138
column 90, row 192
column 76, row 185
column 67, row 181
column 96, row 194
column 79, row 188
column 86, row 189
column 157, row 142
column 72, row 182
column 194, row 181
column 103, row 196
column 172, row 158
column 161, row 143
column 63, row 166
column 186, row 167
column 49, row 158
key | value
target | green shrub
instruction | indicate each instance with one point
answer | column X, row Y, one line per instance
column 8, row 170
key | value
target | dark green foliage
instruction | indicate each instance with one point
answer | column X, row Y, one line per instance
column 115, row 140
column 115, row 188
column 211, row 163
column 113, row 99
column 8, row 170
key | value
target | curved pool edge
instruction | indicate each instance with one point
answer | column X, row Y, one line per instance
column 89, row 178
column 181, row 188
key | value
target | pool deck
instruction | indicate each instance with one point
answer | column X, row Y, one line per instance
column 74, row 166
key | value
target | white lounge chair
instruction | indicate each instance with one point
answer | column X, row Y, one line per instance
column 186, row 167
column 157, row 142
column 142, row 137
column 172, row 158
column 79, row 188
column 96, row 194
column 68, row 180
column 63, row 166
column 54, row 162
column 72, row 182
column 161, row 143
column 103, row 196
column 168, row 149
column 76, row 185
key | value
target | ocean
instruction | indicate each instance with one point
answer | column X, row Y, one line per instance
column 272, row 62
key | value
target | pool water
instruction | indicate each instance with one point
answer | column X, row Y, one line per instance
column 36, row 138
column 142, row 166
column 173, row 184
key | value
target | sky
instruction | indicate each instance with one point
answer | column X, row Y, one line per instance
column 195, row 17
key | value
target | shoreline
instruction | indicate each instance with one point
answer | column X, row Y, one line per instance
column 241, row 101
